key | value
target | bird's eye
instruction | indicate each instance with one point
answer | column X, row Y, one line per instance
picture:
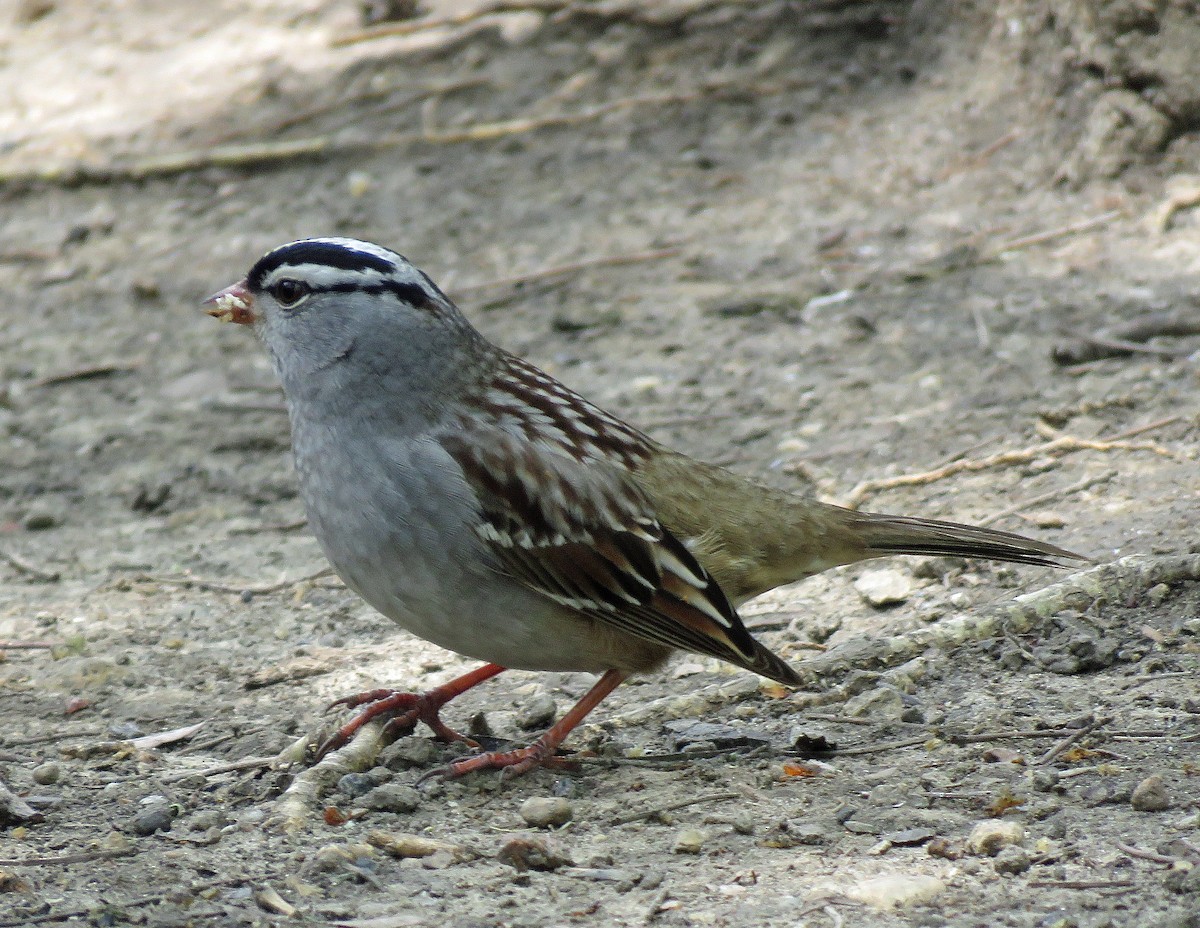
column 288, row 292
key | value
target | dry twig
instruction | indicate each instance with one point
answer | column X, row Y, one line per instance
column 1049, row 235
column 573, row 267
column 23, row 566
column 1058, row 444
column 1075, row 736
column 673, row 806
column 216, row 586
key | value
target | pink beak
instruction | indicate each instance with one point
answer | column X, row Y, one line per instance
column 233, row 304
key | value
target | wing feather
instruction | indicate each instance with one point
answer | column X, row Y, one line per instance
column 563, row 517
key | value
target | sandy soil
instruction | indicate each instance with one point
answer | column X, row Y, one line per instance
column 820, row 243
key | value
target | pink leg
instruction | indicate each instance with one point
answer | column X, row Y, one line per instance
column 515, row 763
column 406, row 709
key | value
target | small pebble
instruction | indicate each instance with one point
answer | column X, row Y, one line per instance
column 883, row 587
column 546, row 812
column 334, row 857
column 206, row 819
column 911, row 836
column 356, row 784
column 405, row 845
column 125, row 731
column 538, row 712
column 533, row 852
column 408, row 752
column 883, row 702
column 47, row 773
column 689, row 841
column 148, row 821
column 897, row 890
column 1012, row 860
column 988, row 837
column 390, row 797
column 41, row 517
column 1150, row 795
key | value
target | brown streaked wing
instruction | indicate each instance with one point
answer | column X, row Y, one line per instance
column 578, row 531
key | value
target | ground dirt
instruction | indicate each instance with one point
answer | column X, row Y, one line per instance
column 820, row 243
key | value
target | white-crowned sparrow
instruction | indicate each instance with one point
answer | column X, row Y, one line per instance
column 487, row 508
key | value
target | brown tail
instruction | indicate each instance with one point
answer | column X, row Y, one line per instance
column 882, row 534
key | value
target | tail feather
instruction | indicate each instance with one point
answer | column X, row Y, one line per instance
column 882, row 535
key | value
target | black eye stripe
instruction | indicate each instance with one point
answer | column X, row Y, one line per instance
column 411, row 293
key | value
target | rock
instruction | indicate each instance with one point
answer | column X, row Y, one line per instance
column 408, row 752
column 545, row 811
column 689, row 841
column 533, row 852
column 390, row 797
column 1183, row 880
column 537, row 713
column 356, row 784
column 14, row 810
column 910, row 836
column 1012, row 860
column 47, row 773
column 688, row 732
column 399, row 844
column 896, row 890
column 334, row 857
column 42, row 516
column 883, row 702
column 1150, row 795
column 206, row 819
column 148, row 821
column 989, row 837
column 883, row 587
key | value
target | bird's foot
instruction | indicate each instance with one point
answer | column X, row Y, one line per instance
column 402, row 710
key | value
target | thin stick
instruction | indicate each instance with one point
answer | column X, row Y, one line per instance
column 1009, row 735
column 278, row 153
column 1081, row 884
column 1071, row 739
column 194, row 888
column 1057, row 445
column 1077, row 487
column 671, row 807
column 23, row 566
column 25, row 645
column 246, row 763
column 80, row 858
column 216, row 586
column 570, row 268
column 84, row 373
column 880, row 748
column 1147, row 855
column 1039, row 238
column 270, row 527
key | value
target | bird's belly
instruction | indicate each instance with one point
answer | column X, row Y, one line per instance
column 402, row 538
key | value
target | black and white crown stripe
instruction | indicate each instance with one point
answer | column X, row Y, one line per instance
column 345, row 265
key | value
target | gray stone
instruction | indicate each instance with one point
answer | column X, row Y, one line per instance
column 538, row 712
column 390, row 797
column 990, row 836
column 408, row 752
column 47, row 773
column 546, row 811
column 1012, row 860
column 883, row 587
column 689, row 841
column 148, row 821
column 1150, row 795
